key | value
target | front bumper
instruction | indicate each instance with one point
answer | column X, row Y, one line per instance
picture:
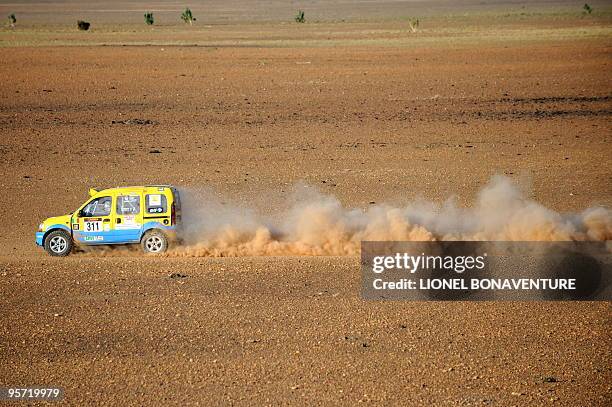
column 39, row 238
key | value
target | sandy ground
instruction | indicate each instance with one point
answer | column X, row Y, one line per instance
column 364, row 123
column 260, row 331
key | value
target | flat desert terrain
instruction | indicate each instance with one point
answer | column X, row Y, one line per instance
column 361, row 109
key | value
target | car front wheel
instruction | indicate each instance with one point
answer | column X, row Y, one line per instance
column 154, row 242
column 58, row 243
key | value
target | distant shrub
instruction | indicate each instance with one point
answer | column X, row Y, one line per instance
column 587, row 9
column 83, row 25
column 187, row 16
column 300, row 17
column 149, row 20
column 413, row 23
column 12, row 20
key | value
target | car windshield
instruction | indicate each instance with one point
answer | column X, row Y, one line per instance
column 98, row 207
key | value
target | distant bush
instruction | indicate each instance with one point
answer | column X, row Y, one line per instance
column 148, row 16
column 83, row 25
column 413, row 23
column 12, row 20
column 187, row 16
column 300, row 17
column 587, row 9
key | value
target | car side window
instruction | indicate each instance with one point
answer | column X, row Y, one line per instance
column 156, row 203
column 98, row 207
column 128, row 205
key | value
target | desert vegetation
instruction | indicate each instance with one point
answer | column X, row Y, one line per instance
column 187, row 16
column 83, row 25
column 148, row 17
column 12, row 20
column 413, row 24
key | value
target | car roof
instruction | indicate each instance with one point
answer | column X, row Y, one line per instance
column 133, row 188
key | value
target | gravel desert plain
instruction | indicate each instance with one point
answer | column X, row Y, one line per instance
column 248, row 106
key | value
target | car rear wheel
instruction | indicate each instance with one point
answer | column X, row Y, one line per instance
column 58, row 243
column 155, row 242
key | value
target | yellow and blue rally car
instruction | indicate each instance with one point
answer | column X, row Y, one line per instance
column 149, row 215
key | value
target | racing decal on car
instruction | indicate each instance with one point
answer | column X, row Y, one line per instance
column 75, row 226
column 93, row 238
column 128, row 222
column 92, row 225
column 154, row 199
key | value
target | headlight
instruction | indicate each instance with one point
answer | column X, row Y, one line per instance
column 41, row 227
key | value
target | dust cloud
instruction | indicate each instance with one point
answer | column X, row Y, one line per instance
column 318, row 224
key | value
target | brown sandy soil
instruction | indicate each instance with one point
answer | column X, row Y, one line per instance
column 363, row 124
column 259, row 331
column 384, row 124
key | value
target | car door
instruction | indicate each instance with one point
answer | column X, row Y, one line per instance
column 94, row 222
column 128, row 218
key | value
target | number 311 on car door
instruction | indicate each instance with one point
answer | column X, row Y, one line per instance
column 93, row 226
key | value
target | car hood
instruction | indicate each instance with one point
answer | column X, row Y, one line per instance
column 57, row 220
